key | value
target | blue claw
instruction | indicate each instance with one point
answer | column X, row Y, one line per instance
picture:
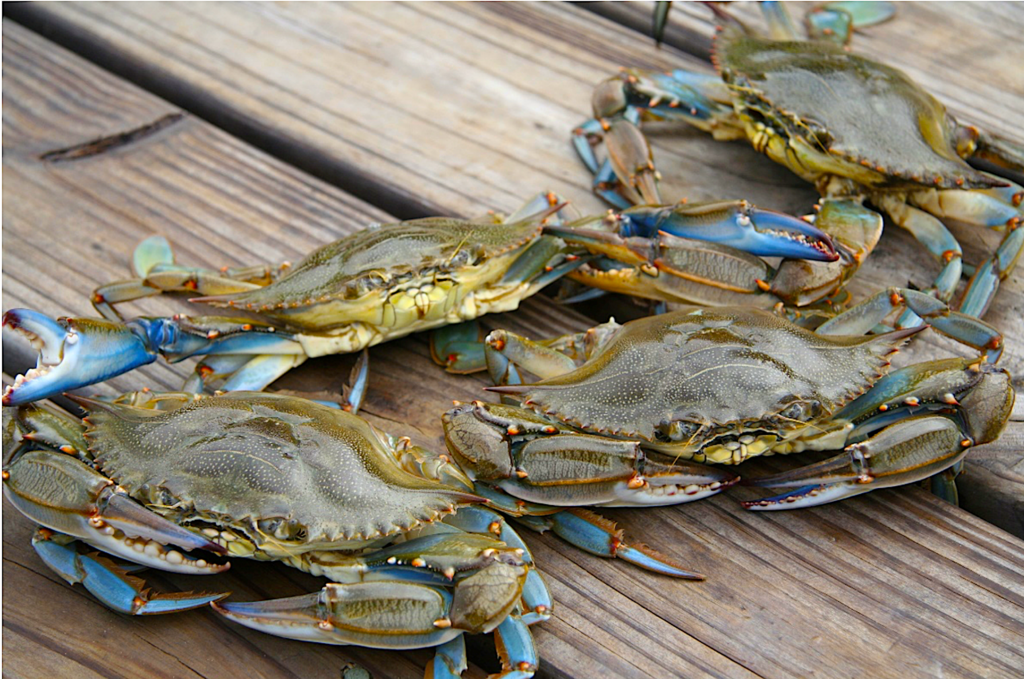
column 765, row 233
column 114, row 587
column 449, row 661
column 73, row 353
column 515, row 648
column 77, row 352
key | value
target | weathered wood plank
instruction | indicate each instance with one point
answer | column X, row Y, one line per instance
column 472, row 104
column 860, row 588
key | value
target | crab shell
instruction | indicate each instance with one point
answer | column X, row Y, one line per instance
column 842, row 114
column 435, row 264
column 289, row 475
column 685, row 378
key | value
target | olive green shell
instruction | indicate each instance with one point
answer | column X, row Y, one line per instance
column 712, row 368
column 381, row 256
column 852, row 107
column 245, row 457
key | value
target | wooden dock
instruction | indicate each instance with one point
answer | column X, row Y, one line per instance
column 252, row 133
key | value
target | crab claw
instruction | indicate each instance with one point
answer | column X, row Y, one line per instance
column 909, row 450
column 112, row 583
column 337, row 614
column 737, row 223
column 73, row 353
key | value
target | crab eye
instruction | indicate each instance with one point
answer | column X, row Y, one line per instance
column 460, row 259
column 818, row 134
column 271, row 526
column 159, row 497
column 801, row 410
column 682, row 431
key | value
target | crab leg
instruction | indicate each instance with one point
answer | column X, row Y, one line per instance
column 406, row 612
column 240, row 372
column 628, row 176
column 112, row 585
column 516, row 649
column 973, row 143
column 597, row 535
column 584, row 529
column 261, row 371
column 984, row 284
column 934, row 235
column 58, row 491
column 961, row 327
column 543, row 466
column 408, row 615
column 999, row 207
column 153, row 262
column 909, row 450
column 458, row 347
column 537, row 600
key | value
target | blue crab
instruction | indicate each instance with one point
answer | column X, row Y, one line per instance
column 378, row 284
column 724, row 384
column 414, row 559
column 814, row 107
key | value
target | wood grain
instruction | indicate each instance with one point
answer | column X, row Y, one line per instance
column 861, row 588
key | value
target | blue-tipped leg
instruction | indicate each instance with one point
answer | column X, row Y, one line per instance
column 597, row 535
column 909, row 450
column 515, row 649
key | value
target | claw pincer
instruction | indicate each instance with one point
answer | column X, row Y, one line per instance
column 736, row 223
column 78, row 352
column 73, row 352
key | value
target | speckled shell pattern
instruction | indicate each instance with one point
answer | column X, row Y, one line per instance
column 382, row 256
column 819, row 91
column 711, row 367
column 243, row 457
